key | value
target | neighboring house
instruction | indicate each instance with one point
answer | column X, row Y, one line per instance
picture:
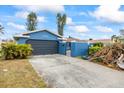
column 69, row 40
column 119, row 38
column 105, row 41
column 72, row 39
column 42, row 41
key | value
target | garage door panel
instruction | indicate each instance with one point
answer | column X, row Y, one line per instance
column 42, row 47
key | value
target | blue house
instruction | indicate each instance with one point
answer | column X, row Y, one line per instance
column 43, row 42
column 46, row 42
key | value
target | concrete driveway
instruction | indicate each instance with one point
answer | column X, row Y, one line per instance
column 66, row 72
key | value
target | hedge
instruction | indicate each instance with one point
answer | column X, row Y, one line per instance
column 15, row 51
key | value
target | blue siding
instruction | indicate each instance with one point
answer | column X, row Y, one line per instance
column 62, row 48
column 43, row 36
column 79, row 49
column 38, row 35
column 22, row 40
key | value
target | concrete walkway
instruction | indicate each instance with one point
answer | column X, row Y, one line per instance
column 67, row 72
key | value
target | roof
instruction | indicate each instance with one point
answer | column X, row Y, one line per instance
column 99, row 40
column 22, row 36
column 18, row 36
column 72, row 39
column 27, row 33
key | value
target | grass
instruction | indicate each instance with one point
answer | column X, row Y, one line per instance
column 19, row 74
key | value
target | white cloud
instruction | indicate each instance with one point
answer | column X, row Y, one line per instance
column 103, row 29
column 79, row 28
column 110, row 13
column 17, row 26
column 38, row 8
column 24, row 14
column 41, row 19
column 82, row 14
column 69, row 21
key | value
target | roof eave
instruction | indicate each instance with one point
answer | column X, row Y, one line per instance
column 17, row 37
column 27, row 33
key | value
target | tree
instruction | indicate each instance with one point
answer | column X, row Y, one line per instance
column 115, row 39
column 31, row 21
column 61, row 21
column 1, row 29
column 90, row 39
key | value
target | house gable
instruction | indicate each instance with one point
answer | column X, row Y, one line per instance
column 43, row 35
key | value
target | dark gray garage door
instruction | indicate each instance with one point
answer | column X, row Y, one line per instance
column 43, row 47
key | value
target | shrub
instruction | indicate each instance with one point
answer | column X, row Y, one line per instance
column 95, row 47
column 16, row 51
column 99, row 44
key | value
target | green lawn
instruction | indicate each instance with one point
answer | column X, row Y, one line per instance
column 19, row 74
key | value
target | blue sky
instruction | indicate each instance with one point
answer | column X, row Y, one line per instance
column 84, row 22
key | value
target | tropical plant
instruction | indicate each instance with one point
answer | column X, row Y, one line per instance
column 15, row 51
column 1, row 29
column 31, row 21
column 61, row 21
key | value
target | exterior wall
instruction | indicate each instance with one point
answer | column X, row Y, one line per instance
column 79, row 49
column 68, row 45
column 38, row 35
column 22, row 40
column 62, row 48
column 43, row 36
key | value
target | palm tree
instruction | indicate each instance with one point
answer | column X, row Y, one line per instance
column 1, row 29
column 61, row 21
column 31, row 21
